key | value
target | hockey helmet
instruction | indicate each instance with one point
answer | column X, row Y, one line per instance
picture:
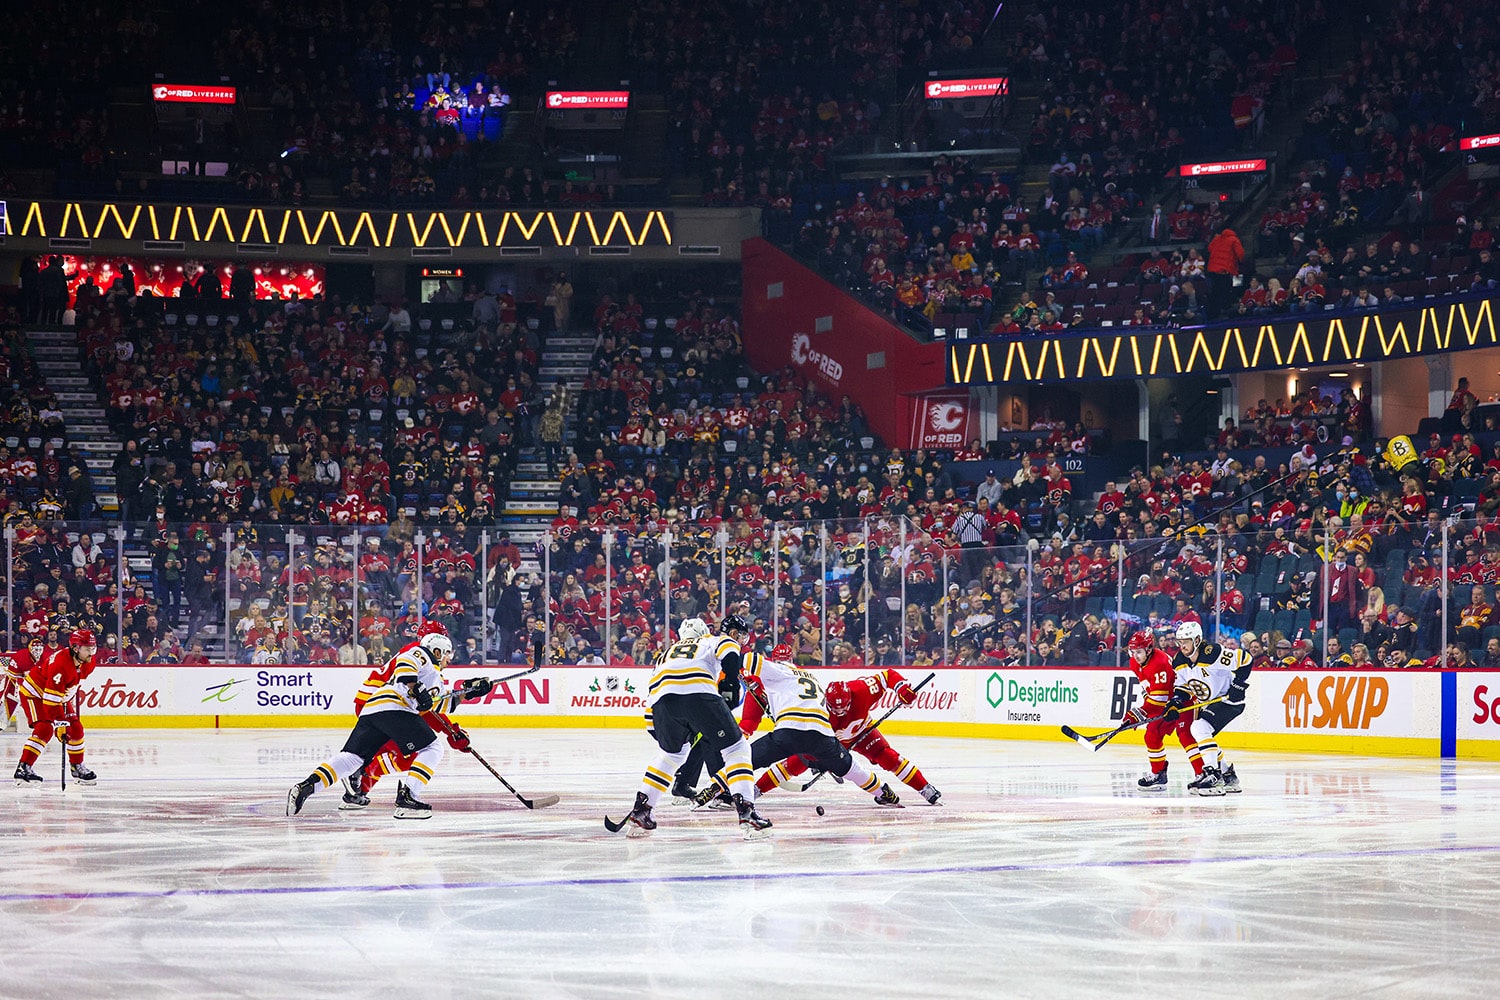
column 735, row 623
column 436, row 645
column 430, row 626
column 1190, row 630
column 839, row 697
column 781, row 653
column 1141, row 640
column 83, row 637
column 693, row 628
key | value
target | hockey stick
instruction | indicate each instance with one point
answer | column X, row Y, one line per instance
column 873, row 726
column 1099, row 739
column 540, row 802
column 60, row 730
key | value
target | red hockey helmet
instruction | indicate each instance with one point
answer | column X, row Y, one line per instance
column 1141, row 640
column 82, row 637
column 430, row 627
column 782, row 653
column 839, row 697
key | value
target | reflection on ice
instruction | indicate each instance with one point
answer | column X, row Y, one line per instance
column 1045, row 873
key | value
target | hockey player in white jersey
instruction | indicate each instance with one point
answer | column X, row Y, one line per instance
column 794, row 701
column 1205, row 671
column 393, row 713
column 695, row 685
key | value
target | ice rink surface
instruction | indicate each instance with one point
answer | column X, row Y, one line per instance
column 1043, row 874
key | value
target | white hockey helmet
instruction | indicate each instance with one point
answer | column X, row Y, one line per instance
column 436, row 645
column 693, row 628
column 1190, row 630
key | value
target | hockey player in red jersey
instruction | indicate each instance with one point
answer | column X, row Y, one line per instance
column 16, row 666
column 1154, row 669
column 49, row 696
column 849, row 707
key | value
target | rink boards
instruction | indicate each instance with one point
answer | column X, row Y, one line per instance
column 1422, row 713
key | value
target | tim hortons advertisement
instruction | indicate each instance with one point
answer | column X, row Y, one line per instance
column 1479, row 706
column 942, row 420
column 794, row 318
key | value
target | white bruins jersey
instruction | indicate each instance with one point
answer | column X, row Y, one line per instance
column 795, row 696
column 1204, row 680
column 690, row 667
column 1214, row 658
column 392, row 694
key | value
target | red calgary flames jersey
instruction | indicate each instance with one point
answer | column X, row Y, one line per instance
column 52, row 684
column 864, row 694
column 1158, row 676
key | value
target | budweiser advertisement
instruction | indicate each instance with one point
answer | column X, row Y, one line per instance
column 982, row 86
column 187, row 93
column 1480, row 141
column 1224, row 167
column 569, row 99
column 941, row 420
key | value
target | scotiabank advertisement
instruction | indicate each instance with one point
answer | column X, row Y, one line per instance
column 578, row 99
column 795, row 319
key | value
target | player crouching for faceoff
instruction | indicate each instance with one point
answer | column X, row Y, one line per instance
column 49, row 697
column 391, row 759
column 802, row 730
column 849, row 706
column 393, row 714
column 684, row 700
column 1207, row 671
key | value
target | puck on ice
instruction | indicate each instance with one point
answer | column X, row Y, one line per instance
column 820, row 810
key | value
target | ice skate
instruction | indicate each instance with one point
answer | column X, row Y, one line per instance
column 639, row 822
column 682, row 794
column 299, row 793
column 1209, row 783
column 754, row 825
column 1231, row 780
column 886, row 797
column 83, row 775
column 1154, row 782
column 931, row 794
column 408, row 806
column 26, row 776
column 354, row 798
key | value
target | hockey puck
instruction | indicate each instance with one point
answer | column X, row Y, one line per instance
column 820, row 810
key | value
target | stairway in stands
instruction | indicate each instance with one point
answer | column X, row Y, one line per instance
column 532, row 503
column 56, row 351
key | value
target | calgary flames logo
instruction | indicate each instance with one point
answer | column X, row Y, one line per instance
column 159, row 93
column 555, row 100
column 945, row 416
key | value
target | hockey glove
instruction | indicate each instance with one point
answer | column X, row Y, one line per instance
column 421, row 697
column 1132, row 716
column 905, row 693
column 1181, row 698
column 457, row 738
column 475, row 688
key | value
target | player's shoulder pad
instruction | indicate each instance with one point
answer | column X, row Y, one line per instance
column 1211, row 651
column 725, row 646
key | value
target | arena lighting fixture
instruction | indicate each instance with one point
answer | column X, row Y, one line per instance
column 1302, row 369
column 1338, row 374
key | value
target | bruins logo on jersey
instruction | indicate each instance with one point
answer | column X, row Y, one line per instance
column 1197, row 688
